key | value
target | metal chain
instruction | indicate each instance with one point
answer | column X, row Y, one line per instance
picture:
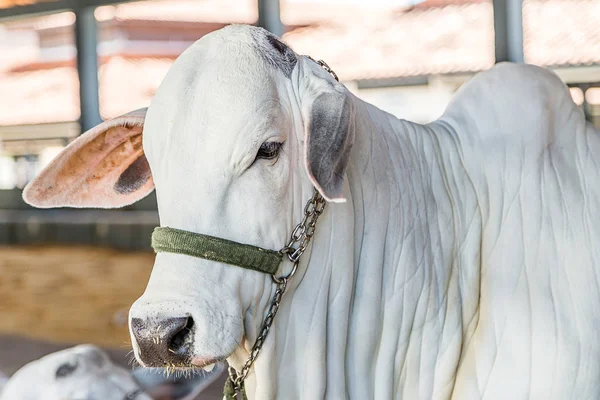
column 301, row 235
column 304, row 231
column 325, row 67
column 237, row 378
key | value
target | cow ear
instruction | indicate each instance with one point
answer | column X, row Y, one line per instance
column 105, row 168
column 328, row 115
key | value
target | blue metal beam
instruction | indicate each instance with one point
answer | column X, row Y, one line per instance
column 87, row 67
column 269, row 16
column 508, row 29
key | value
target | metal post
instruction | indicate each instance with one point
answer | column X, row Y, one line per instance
column 87, row 67
column 269, row 17
column 508, row 28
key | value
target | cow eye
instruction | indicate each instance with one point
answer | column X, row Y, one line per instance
column 269, row 150
column 65, row 370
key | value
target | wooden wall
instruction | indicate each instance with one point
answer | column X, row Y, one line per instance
column 70, row 293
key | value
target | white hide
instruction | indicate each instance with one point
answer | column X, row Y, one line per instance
column 80, row 373
column 463, row 264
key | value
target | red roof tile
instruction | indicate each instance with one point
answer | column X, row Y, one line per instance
column 230, row 11
column 52, row 95
column 39, row 96
column 358, row 42
column 398, row 43
column 444, row 3
column 17, row 3
column 123, row 88
column 559, row 32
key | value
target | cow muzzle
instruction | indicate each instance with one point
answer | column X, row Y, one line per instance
column 163, row 342
column 172, row 333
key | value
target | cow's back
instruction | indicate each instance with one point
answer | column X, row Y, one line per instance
column 535, row 165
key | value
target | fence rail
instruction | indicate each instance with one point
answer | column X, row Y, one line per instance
column 126, row 229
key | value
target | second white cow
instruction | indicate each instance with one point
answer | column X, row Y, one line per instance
column 81, row 372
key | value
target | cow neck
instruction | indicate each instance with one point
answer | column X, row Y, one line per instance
column 376, row 261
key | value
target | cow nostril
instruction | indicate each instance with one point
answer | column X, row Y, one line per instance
column 180, row 340
column 163, row 342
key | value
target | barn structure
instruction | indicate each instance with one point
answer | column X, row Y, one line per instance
column 69, row 276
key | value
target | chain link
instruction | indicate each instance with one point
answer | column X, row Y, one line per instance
column 305, row 230
column 301, row 236
column 326, row 67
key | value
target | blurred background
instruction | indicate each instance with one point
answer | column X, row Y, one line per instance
column 69, row 276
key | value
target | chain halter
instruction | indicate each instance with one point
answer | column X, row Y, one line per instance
column 301, row 236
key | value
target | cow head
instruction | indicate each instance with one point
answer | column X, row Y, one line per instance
column 237, row 135
column 82, row 372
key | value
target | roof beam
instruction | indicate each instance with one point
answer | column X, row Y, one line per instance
column 508, row 29
column 51, row 7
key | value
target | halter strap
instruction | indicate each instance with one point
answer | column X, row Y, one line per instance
column 212, row 248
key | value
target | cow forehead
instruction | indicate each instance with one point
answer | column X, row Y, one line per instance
column 233, row 66
column 259, row 42
column 70, row 362
column 220, row 117
column 222, row 90
column 83, row 356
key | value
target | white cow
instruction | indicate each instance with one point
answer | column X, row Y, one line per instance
column 459, row 259
column 78, row 373
column 85, row 372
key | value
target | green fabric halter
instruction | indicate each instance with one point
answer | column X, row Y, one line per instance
column 212, row 248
